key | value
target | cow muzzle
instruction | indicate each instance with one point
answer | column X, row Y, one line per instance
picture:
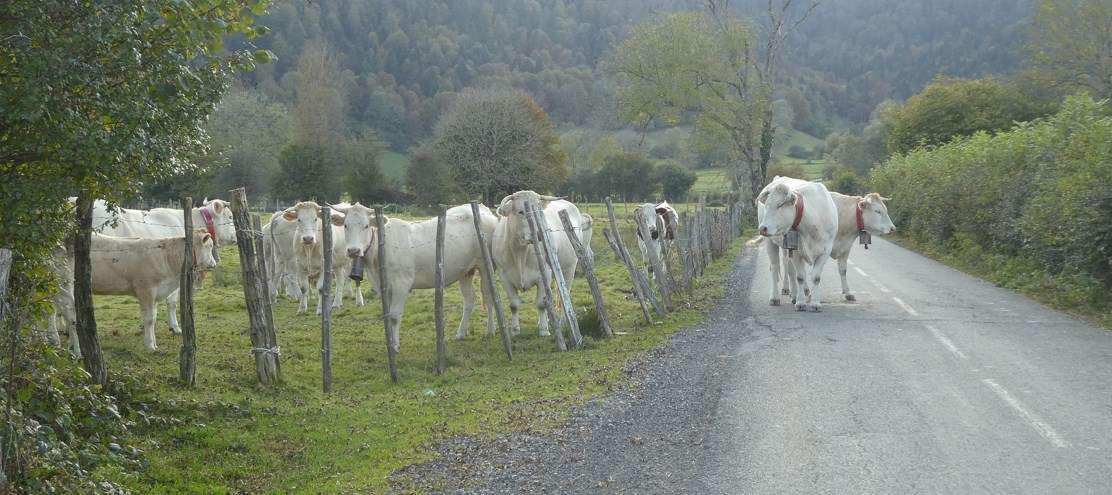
column 764, row 230
column 308, row 239
column 354, row 252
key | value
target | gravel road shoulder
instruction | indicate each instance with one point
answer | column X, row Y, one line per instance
column 646, row 438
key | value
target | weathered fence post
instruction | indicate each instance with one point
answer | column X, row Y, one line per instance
column 487, row 270
column 660, row 276
column 326, row 305
column 262, row 255
column 264, row 343
column 392, row 342
column 587, row 260
column 441, row 347
column 640, row 281
column 562, row 284
column 187, row 364
column 546, row 280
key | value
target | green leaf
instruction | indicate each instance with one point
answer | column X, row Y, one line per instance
column 264, row 56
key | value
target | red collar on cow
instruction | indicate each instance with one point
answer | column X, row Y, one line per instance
column 209, row 225
column 860, row 218
column 798, row 211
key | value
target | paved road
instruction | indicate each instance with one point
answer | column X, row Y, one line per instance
column 932, row 382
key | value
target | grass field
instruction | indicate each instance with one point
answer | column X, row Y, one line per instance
column 711, row 181
column 228, row 435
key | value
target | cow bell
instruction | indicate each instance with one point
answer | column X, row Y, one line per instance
column 791, row 240
column 864, row 238
column 356, row 269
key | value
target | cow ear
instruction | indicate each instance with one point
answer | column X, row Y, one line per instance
column 338, row 219
column 290, row 214
column 882, row 198
column 218, row 206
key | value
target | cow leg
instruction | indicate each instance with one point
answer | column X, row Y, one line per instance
column 515, row 303
column 800, row 289
column 773, row 272
column 341, row 277
column 148, row 311
column 542, row 313
column 488, row 305
column 303, row 296
column 468, row 291
column 172, row 312
column 816, row 280
column 789, row 274
column 394, row 318
column 845, row 283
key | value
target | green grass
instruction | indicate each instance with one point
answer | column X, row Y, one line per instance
column 785, row 140
column 711, row 181
column 394, row 165
column 229, row 435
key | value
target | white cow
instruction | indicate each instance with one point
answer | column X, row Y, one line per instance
column 809, row 210
column 514, row 255
column 215, row 216
column 310, row 255
column 147, row 269
column 855, row 213
column 411, row 257
column 280, row 236
column 662, row 222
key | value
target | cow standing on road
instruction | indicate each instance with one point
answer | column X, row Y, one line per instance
column 807, row 211
column 514, row 256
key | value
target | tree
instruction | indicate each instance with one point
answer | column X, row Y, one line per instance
column 430, row 182
column 99, row 97
column 628, row 175
column 308, row 172
column 948, row 108
column 708, row 65
column 1071, row 44
column 497, row 142
column 365, row 181
column 248, row 132
column 675, row 180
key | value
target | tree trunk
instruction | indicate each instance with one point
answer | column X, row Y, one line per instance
column 83, row 292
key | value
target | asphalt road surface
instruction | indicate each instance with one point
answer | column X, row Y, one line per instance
column 933, row 381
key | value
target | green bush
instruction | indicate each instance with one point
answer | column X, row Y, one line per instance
column 1038, row 192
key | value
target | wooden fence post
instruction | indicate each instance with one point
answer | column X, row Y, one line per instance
column 264, row 344
column 640, row 281
column 587, row 260
column 562, row 285
column 262, row 257
column 659, row 275
column 441, row 347
column 487, row 270
column 187, row 364
column 326, row 305
column 392, row 342
column 546, row 280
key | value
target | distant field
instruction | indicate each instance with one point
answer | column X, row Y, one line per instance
column 711, row 181
column 394, row 165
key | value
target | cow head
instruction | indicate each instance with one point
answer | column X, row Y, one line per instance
column 512, row 211
column 779, row 202
column 305, row 214
column 221, row 219
column 202, row 251
column 358, row 222
column 650, row 230
column 874, row 214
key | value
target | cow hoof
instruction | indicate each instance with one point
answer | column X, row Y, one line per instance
column 851, row 297
column 774, row 302
column 785, row 292
column 801, row 307
column 816, row 308
column 175, row 331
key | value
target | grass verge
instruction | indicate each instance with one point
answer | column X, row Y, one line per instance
column 228, row 435
column 1075, row 293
